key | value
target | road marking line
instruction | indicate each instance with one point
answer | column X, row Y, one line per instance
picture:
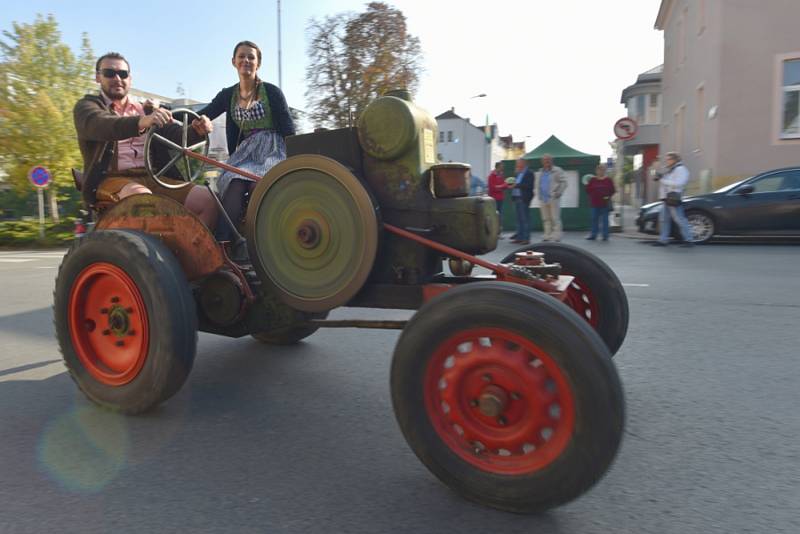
column 636, row 285
column 15, row 260
column 29, row 257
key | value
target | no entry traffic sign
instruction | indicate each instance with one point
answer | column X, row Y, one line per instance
column 626, row 128
column 39, row 176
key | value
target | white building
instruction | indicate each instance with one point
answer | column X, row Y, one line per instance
column 463, row 142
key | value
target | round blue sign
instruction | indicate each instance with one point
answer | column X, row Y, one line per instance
column 39, row 176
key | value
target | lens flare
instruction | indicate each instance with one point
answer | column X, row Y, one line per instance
column 84, row 449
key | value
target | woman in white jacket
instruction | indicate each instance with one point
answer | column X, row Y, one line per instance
column 673, row 182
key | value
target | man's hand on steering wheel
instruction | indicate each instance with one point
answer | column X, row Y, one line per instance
column 175, row 141
column 202, row 125
column 158, row 118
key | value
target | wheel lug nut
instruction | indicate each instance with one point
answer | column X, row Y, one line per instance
column 502, row 420
column 516, row 396
column 131, row 332
column 104, row 311
column 114, row 299
column 120, row 344
column 487, row 378
column 473, row 403
column 106, row 332
column 128, row 310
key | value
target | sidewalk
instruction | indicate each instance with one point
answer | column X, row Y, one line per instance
column 629, row 228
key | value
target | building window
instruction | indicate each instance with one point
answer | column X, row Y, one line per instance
column 449, row 136
column 441, row 136
column 637, row 109
column 790, row 116
column 700, row 117
column 653, row 109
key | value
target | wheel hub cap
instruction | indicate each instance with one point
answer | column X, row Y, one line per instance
column 499, row 401
column 493, row 401
column 308, row 234
column 108, row 324
column 118, row 321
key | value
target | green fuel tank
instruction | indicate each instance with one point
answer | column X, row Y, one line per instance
column 399, row 142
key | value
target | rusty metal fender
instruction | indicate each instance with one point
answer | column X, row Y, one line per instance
column 192, row 243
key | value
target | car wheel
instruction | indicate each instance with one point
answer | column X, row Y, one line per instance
column 701, row 225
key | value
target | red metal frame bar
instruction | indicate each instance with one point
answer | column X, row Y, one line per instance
column 501, row 271
column 225, row 166
column 495, row 268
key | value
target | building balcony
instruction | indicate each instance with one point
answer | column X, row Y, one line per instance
column 649, row 134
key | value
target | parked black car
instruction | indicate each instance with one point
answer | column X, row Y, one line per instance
column 767, row 204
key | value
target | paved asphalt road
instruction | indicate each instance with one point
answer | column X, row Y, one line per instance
column 302, row 439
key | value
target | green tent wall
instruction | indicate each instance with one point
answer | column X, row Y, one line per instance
column 568, row 159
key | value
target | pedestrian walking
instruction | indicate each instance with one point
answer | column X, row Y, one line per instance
column 600, row 190
column 673, row 183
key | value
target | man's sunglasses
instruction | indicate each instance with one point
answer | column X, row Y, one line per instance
column 110, row 73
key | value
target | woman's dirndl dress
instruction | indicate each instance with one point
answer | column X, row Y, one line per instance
column 260, row 148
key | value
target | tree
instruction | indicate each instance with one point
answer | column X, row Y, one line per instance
column 354, row 58
column 40, row 81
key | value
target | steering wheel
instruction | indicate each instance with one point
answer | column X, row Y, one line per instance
column 153, row 137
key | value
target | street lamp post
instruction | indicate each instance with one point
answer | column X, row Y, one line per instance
column 280, row 66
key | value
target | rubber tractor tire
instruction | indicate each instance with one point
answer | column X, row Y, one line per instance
column 596, row 294
column 125, row 320
column 507, row 396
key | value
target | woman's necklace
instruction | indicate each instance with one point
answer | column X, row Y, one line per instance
column 246, row 99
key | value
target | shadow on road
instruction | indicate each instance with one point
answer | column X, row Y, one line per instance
column 260, row 439
column 34, row 323
column 27, row 367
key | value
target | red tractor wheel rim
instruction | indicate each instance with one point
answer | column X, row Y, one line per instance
column 108, row 324
column 581, row 299
column 498, row 401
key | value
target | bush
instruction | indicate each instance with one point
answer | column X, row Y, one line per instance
column 14, row 234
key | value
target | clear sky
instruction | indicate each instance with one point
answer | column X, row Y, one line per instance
column 546, row 66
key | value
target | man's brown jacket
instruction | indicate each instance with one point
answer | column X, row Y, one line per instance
column 99, row 130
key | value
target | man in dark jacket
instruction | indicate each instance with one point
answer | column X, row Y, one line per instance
column 111, row 130
column 521, row 195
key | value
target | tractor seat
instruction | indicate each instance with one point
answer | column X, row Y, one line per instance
column 100, row 205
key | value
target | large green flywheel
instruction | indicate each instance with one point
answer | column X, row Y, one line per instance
column 312, row 232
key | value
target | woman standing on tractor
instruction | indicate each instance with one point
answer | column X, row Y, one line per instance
column 257, row 123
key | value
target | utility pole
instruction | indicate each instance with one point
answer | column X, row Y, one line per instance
column 617, row 218
column 280, row 66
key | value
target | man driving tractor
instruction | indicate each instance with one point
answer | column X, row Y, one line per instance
column 111, row 130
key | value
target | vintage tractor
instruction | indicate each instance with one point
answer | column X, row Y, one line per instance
column 502, row 382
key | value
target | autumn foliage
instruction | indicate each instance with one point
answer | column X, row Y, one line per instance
column 356, row 57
